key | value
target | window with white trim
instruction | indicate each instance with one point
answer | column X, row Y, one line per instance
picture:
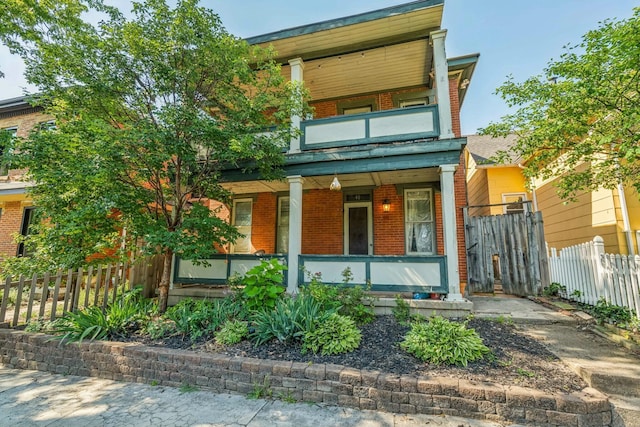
column 419, row 221
column 4, row 166
column 26, row 230
column 513, row 202
column 282, row 231
column 413, row 103
column 242, row 219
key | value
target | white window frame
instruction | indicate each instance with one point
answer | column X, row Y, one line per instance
column 282, row 228
column 4, row 168
column 347, row 206
column 416, row 102
column 242, row 229
column 506, row 201
column 407, row 223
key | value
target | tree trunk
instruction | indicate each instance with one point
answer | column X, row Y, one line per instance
column 164, row 281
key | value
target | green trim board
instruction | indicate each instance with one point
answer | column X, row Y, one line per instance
column 343, row 22
column 367, row 268
column 364, row 121
column 222, row 276
column 411, row 155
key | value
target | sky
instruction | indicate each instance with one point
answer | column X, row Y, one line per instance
column 513, row 37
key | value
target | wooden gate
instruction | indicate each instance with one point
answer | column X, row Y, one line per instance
column 509, row 249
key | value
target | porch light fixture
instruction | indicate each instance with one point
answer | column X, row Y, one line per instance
column 335, row 184
column 386, row 205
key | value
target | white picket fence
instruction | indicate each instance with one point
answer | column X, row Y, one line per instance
column 594, row 274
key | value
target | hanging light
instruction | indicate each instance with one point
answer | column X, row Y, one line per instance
column 386, row 205
column 335, row 184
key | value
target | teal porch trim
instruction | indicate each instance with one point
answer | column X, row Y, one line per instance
column 411, row 155
column 226, row 273
column 439, row 260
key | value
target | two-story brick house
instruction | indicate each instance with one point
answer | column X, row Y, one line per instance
column 376, row 181
column 18, row 117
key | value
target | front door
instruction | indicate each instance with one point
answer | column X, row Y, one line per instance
column 358, row 230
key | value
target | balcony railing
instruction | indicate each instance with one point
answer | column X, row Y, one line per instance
column 403, row 124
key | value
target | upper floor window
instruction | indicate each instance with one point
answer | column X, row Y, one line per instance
column 4, row 166
column 357, row 106
column 419, row 221
column 514, row 202
column 413, row 103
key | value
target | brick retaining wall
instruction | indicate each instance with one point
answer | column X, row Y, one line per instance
column 332, row 384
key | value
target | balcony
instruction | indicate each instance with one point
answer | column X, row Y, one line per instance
column 402, row 124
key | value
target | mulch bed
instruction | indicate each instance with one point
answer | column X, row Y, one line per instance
column 519, row 360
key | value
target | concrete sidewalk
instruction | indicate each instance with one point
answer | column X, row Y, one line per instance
column 604, row 365
column 34, row 398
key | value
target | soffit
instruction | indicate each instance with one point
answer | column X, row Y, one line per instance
column 356, row 180
column 384, row 27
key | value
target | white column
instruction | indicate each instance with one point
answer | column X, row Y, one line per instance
column 441, row 68
column 295, row 230
column 450, row 230
column 297, row 68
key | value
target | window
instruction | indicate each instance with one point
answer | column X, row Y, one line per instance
column 357, row 110
column 4, row 166
column 242, row 214
column 413, row 103
column 513, row 202
column 282, row 231
column 419, row 221
column 357, row 106
column 25, row 230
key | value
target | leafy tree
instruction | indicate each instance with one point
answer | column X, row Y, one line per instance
column 149, row 111
column 580, row 119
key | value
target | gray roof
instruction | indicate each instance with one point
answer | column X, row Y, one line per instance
column 14, row 187
column 483, row 147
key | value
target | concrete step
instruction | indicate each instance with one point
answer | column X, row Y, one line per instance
column 626, row 411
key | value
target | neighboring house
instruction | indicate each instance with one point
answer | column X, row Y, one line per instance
column 566, row 223
column 493, row 188
column 16, row 209
column 376, row 182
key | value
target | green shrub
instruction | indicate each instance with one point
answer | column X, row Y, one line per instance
column 160, row 328
column 263, row 285
column 232, row 332
column 554, row 289
column 288, row 320
column 607, row 312
column 440, row 341
column 335, row 335
column 401, row 311
column 119, row 319
column 198, row 318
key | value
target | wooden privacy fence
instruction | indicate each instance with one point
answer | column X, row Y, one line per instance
column 587, row 269
column 48, row 296
column 509, row 249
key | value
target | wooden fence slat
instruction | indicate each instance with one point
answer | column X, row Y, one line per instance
column 32, row 295
column 45, row 294
column 87, row 288
column 96, row 297
column 5, row 298
column 67, row 292
column 56, row 293
column 16, row 312
column 116, row 281
column 107, row 280
column 76, row 290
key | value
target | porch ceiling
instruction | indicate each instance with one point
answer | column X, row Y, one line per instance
column 370, row 179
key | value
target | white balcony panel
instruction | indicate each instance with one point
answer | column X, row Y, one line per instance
column 410, row 274
column 335, row 131
column 217, row 269
column 241, row 266
column 419, row 122
column 332, row 271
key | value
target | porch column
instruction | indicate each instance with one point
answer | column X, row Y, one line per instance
column 450, row 231
column 441, row 69
column 297, row 67
column 295, row 231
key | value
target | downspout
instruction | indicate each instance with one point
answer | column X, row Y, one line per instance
column 625, row 219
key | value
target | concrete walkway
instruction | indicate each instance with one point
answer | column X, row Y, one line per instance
column 604, row 365
column 34, row 398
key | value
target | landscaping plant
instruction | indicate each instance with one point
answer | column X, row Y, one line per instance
column 337, row 334
column 440, row 341
column 232, row 332
column 401, row 311
column 262, row 285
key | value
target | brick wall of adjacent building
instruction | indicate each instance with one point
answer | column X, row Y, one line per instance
column 10, row 222
column 322, row 383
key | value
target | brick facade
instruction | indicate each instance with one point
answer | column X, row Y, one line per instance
column 10, row 222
